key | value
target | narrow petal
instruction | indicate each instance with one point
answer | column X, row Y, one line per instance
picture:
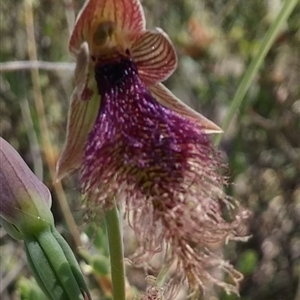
column 126, row 15
column 154, row 55
column 169, row 100
column 84, row 79
column 82, row 116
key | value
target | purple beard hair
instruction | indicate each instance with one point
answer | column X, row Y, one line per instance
column 165, row 169
column 138, row 143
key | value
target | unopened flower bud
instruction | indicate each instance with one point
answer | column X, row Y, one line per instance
column 24, row 200
column 25, row 214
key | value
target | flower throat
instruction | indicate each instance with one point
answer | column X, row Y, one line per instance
column 116, row 74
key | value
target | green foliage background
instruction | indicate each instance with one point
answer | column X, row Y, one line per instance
column 215, row 41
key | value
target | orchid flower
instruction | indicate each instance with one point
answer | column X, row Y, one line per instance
column 133, row 140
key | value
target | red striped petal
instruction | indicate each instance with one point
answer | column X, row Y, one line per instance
column 82, row 116
column 126, row 15
column 154, row 55
column 168, row 99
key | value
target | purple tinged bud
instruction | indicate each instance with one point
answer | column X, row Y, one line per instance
column 24, row 200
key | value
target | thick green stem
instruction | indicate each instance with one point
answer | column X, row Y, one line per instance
column 254, row 66
column 115, row 241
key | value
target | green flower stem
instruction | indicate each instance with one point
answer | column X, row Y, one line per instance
column 115, row 241
column 254, row 66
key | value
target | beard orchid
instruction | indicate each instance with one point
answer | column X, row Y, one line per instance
column 133, row 140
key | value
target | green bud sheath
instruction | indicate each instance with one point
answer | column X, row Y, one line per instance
column 57, row 277
column 72, row 261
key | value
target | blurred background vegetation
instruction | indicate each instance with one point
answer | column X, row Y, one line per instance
column 215, row 41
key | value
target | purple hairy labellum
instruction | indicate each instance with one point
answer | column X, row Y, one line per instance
column 137, row 141
column 164, row 165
